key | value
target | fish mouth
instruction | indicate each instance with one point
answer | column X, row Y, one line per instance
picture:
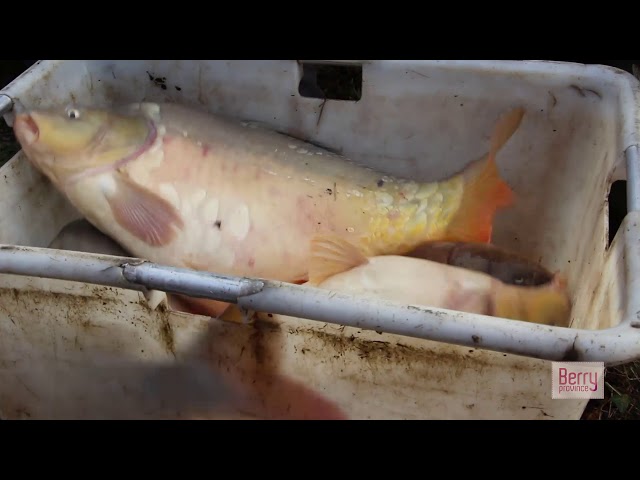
column 26, row 128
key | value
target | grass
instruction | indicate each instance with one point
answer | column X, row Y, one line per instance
column 622, row 383
column 621, row 398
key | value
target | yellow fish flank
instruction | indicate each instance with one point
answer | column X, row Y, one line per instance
column 187, row 188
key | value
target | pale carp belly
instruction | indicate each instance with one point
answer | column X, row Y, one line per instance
column 410, row 281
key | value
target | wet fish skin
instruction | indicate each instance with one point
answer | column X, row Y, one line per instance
column 190, row 189
column 339, row 266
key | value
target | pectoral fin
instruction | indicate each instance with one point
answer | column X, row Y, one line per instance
column 210, row 308
column 237, row 314
column 142, row 213
column 154, row 298
column 331, row 255
column 199, row 306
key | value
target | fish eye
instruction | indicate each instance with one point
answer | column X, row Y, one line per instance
column 73, row 113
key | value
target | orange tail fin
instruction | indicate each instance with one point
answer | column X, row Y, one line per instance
column 484, row 189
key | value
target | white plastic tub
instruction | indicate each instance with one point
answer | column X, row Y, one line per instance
column 425, row 119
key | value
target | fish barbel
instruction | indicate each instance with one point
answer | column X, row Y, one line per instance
column 339, row 266
column 191, row 189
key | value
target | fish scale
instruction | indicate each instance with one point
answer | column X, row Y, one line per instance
column 420, row 213
column 273, row 194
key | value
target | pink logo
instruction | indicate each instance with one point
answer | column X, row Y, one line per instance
column 577, row 380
